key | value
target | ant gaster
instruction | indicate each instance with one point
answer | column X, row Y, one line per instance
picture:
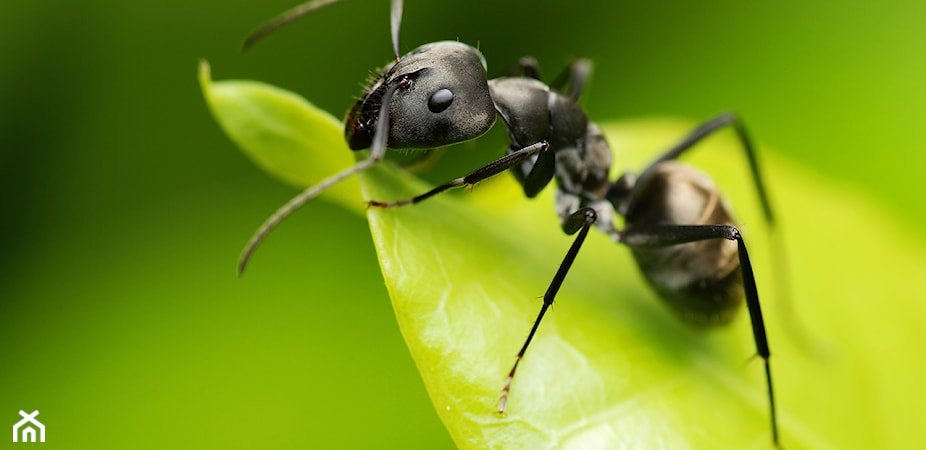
column 677, row 226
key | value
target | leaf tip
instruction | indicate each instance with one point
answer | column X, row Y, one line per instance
column 205, row 75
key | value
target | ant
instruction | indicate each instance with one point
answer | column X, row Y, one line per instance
column 676, row 223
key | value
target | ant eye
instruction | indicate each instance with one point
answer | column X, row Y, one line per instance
column 440, row 100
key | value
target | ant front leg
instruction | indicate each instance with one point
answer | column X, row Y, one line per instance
column 667, row 235
column 487, row 171
column 579, row 221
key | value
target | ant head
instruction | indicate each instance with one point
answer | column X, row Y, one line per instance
column 441, row 97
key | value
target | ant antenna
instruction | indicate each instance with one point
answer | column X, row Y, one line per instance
column 377, row 150
column 314, row 5
column 380, row 137
column 396, row 23
column 289, row 16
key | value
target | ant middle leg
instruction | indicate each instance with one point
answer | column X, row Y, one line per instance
column 580, row 221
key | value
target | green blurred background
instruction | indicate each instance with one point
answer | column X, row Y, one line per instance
column 124, row 206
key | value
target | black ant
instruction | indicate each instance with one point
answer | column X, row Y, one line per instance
column 676, row 223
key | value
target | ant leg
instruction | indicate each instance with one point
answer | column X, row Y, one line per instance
column 579, row 221
column 665, row 235
column 526, row 66
column 574, row 75
column 708, row 128
column 534, row 174
column 571, row 80
column 487, row 171
column 798, row 330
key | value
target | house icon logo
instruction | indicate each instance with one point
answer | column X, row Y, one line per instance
column 25, row 429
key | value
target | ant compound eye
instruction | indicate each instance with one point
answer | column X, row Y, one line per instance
column 440, row 100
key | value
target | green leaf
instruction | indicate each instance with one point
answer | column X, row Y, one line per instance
column 611, row 367
column 285, row 135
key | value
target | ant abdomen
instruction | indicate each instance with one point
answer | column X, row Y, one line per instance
column 701, row 280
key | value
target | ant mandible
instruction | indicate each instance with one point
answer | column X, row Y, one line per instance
column 676, row 225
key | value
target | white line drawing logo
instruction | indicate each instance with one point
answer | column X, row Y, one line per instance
column 26, row 427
